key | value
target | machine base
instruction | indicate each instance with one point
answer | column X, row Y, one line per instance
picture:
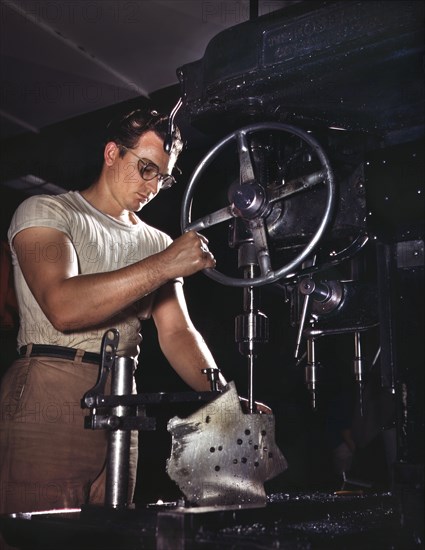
column 289, row 521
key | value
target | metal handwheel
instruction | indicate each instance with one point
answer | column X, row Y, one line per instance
column 252, row 202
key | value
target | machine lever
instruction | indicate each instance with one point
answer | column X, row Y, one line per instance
column 302, row 324
column 306, row 283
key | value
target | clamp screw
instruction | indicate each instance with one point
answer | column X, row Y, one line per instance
column 213, row 377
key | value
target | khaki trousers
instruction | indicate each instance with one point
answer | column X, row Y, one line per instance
column 47, row 459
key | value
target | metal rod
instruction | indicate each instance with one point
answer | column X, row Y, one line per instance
column 118, row 457
column 358, row 367
column 251, row 405
column 310, row 371
column 249, row 305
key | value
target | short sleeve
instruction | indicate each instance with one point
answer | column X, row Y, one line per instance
column 40, row 211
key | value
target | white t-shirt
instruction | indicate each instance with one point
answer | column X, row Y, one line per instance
column 102, row 244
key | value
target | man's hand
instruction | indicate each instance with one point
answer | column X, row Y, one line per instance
column 187, row 255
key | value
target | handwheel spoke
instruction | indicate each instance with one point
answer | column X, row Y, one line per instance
column 246, row 170
column 219, row 216
column 295, row 186
column 258, row 230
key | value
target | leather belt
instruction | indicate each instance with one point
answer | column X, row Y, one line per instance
column 59, row 352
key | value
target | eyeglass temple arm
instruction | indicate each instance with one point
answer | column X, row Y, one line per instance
column 168, row 142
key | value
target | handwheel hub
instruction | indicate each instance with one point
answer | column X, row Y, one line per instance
column 249, row 200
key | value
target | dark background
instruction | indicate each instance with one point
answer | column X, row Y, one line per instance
column 67, row 68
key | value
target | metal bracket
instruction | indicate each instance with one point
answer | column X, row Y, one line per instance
column 109, row 348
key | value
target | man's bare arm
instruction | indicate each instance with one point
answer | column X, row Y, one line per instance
column 182, row 345
column 70, row 300
column 180, row 342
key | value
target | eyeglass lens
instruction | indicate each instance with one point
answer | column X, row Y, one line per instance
column 149, row 171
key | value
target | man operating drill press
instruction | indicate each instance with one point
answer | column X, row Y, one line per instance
column 85, row 262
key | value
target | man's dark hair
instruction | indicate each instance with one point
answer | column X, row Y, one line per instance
column 127, row 129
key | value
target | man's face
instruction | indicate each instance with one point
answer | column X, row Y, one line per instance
column 125, row 181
